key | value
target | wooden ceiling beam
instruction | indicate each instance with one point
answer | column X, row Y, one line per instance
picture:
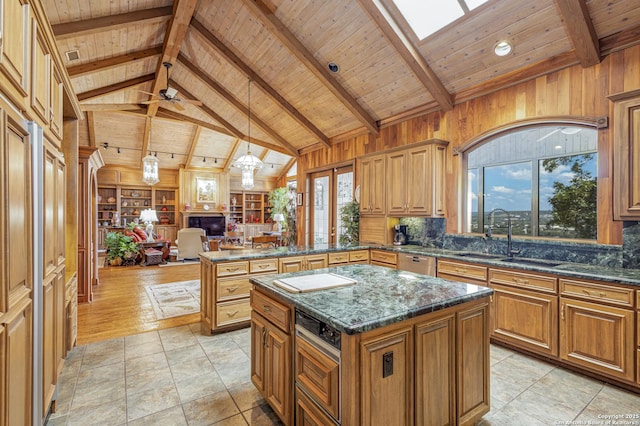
column 218, row 88
column 173, row 115
column 112, row 107
column 101, row 91
column 286, row 37
column 111, row 22
column 109, row 63
column 227, row 164
column 287, row 167
column 183, row 11
column 91, row 124
column 579, row 28
column 145, row 138
column 192, row 144
column 409, row 53
column 620, row 41
column 235, row 60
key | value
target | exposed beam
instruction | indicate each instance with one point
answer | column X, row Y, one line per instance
column 235, row 60
column 101, row 91
column 620, row 41
column 109, row 63
column 165, row 113
column 579, row 28
column 287, row 167
column 91, row 124
column 192, row 144
column 409, row 53
column 276, row 27
column 232, row 153
column 215, row 86
column 111, row 22
column 145, row 138
column 176, row 31
column 111, row 107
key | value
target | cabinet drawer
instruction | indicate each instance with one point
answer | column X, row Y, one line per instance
column 232, row 288
column 597, row 292
column 335, row 258
column 263, row 265
column 308, row 413
column 524, row 280
column 318, row 375
column 232, row 268
column 277, row 313
column 359, row 256
column 233, row 312
column 384, row 257
column 463, row 270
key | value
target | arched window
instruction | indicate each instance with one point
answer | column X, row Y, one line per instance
column 544, row 176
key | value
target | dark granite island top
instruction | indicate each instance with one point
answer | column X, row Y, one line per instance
column 381, row 296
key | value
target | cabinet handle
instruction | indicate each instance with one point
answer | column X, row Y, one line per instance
column 264, row 337
column 461, row 271
column 232, row 269
column 594, row 293
column 262, row 266
column 520, row 281
column 562, row 311
column 232, row 289
column 266, row 308
column 232, row 314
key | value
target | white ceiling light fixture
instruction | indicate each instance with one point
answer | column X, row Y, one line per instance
column 150, row 166
column 502, row 48
column 248, row 163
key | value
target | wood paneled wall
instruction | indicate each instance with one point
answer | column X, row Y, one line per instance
column 574, row 92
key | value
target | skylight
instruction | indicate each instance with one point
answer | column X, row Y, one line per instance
column 428, row 16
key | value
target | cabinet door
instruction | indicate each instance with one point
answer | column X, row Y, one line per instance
column 626, row 157
column 435, row 372
column 419, row 185
column 40, row 75
column 526, row 319
column 316, row 262
column 397, row 183
column 49, row 362
column 258, row 338
column 15, row 43
column 291, row 264
column 372, row 185
column 472, row 346
column 597, row 337
column 386, row 390
column 56, row 101
column 18, row 354
column 278, row 392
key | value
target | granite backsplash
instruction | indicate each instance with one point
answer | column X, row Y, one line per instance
column 430, row 232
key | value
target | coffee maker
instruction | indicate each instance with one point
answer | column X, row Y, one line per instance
column 400, row 237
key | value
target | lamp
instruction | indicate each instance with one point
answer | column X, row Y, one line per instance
column 150, row 166
column 149, row 216
column 248, row 163
column 278, row 218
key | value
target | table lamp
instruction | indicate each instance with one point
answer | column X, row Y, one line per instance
column 149, row 216
column 278, row 218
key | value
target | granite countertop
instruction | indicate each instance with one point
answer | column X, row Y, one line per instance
column 381, row 296
column 567, row 269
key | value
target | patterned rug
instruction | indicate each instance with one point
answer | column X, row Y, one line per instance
column 174, row 299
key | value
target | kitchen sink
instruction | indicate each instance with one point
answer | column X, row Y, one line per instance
column 480, row 255
column 534, row 262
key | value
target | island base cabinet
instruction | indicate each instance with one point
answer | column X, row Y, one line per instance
column 597, row 337
column 387, row 380
column 435, row 372
column 308, row 413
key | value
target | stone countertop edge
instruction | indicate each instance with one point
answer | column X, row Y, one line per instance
column 381, row 296
column 612, row 275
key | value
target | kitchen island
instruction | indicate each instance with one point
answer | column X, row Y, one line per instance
column 391, row 348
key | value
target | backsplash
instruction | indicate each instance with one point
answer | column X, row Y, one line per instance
column 430, row 232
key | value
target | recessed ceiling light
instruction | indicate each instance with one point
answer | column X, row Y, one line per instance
column 333, row 67
column 502, row 48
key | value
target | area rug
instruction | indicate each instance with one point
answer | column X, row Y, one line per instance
column 174, row 299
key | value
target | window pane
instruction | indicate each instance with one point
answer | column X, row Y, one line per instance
column 344, row 184
column 508, row 187
column 472, row 200
column 568, row 197
column 321, row 210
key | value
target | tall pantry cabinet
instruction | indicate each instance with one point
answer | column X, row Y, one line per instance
column 36, row 276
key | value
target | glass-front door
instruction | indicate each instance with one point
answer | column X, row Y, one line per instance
column 329, row 191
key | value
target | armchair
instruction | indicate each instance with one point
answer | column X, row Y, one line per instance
column 189, row 243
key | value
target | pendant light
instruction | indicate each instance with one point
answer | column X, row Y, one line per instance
column 248, row 163
column 150, row 165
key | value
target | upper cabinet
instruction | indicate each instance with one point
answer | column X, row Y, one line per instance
column 57, row 91
column 626, row 156
column 407, row 182
column 14, row 50
column 41, row 75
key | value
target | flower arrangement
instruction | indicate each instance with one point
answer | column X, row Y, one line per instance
column 232, row 226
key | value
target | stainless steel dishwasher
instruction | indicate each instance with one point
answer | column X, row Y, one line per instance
column 425, row 265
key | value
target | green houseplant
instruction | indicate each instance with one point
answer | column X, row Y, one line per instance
column 350, row 217
column 121, row 250
column 283, row 200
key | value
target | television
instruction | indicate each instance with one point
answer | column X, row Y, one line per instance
column 214, row 226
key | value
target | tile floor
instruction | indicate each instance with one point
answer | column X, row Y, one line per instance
column 179, row 377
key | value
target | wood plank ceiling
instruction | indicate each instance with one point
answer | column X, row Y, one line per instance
column 284, row 48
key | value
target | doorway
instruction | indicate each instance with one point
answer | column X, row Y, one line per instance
column 329, row 191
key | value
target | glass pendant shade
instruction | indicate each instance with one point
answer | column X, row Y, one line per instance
column 150, row 170
column 248, row 164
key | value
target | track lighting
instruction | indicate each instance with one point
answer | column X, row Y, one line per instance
column 118, row 150
column 106, row 145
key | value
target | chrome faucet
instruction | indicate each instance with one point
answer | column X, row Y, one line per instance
column 510, row 250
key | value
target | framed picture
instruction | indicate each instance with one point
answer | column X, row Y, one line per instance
column 299, row 199
column 206, row 190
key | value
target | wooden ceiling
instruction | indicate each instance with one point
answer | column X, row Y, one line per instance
column 284, row 48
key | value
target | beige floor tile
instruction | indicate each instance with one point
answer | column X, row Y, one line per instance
column 246, row 396
column 144, row 349
column 173, row 416
column 262, row 415
column 99, row 413
column 237, row 420
column 184, row 353
column 141, row 338
column 191, row 368
column 210, row 409
column 177, row 341
column 147, row 362
column 103, row 393
column 150, row 402
column 205, row 384
column 148, row 380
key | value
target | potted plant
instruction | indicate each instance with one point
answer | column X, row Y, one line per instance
column 121, row 249
column 350, row 217
column 282, row 201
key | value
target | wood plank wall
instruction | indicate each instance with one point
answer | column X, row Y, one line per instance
column 572, row 92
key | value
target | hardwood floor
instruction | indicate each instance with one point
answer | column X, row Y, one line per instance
column 120, row 304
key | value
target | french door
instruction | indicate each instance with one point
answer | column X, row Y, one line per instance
column 329, row 191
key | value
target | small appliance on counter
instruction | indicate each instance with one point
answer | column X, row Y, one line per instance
column 400, row 237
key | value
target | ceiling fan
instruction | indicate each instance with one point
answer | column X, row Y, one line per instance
column 563, row 130
column 169, row 94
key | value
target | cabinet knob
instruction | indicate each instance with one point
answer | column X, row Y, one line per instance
column 232, row 289
column 232, row 314
column 562, row 312
column 266, row 308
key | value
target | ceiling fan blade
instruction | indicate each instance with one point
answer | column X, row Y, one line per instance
column 177, row 106
column 148, row 93
column 110, row 107
column 188, row 101
column 548, row 134
column 151, row 102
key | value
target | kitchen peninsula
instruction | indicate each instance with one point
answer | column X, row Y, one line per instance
column 390, row 348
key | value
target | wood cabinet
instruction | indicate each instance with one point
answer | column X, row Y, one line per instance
column 626, row 157
column 271, row 353
column 249, row 207
column 384, row 258
column 348, row 257
column 303, row 263
column 372, row 184
column 40, row 74
column 415, row 181
column 597, row 328
column 638, row 336
column 14, row 49
column 462, row 271
column 57, row 92
column 524, row 310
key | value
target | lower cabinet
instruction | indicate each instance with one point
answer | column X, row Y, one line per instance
column 384, row 258
column 463, row 272
column 303, row 263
